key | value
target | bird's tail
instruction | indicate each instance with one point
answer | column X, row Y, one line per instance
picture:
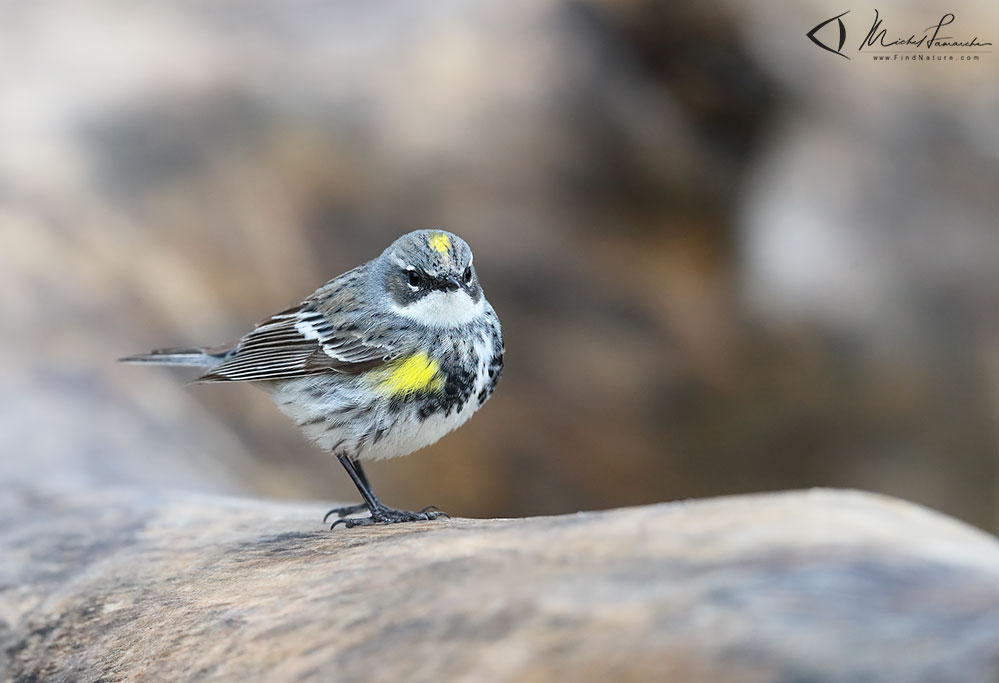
column 205, row 358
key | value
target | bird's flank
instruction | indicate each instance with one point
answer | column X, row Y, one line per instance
column 410, row 375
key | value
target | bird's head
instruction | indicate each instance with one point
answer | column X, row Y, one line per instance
column 430, row 279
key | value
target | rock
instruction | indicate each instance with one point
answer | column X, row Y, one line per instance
column 810, row 586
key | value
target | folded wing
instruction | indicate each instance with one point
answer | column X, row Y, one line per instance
column 298, row 342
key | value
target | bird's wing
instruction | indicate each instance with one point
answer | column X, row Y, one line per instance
column 304, row 340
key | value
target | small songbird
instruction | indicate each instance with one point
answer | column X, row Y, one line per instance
column 377, row 363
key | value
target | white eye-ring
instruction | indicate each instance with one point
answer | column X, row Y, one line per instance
column 414, row 278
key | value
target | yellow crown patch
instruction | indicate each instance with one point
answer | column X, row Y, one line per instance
column 439, row 242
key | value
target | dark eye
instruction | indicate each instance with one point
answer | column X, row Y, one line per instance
column 414, row 278
column 467, row 274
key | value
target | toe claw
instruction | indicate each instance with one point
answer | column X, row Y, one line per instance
column 351, row 522
column 345, row 510
column 432, row 512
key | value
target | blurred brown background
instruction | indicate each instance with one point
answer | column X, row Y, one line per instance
column 724, row 259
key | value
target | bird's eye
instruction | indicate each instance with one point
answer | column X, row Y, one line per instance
column 467, row 274
column 414, row 278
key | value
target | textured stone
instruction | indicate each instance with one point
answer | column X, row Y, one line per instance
column 804, row 586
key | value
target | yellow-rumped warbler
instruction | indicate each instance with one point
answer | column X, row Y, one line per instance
column 377, row 363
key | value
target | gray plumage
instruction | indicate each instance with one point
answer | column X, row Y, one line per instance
column 329, row 361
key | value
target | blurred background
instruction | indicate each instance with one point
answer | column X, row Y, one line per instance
column 725, row 260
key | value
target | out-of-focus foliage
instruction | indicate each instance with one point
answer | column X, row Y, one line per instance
column 725, row 260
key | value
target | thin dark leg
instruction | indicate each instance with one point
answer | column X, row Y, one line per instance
column 360, row 481
column 361, row 474
column 356, row 473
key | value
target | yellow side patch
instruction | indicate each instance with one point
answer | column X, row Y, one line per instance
column 409, row 375
column 439, row 242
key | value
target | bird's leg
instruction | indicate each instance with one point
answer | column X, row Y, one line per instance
column 380, row 513
column 359, row 507
column 362, row 475
column 360, row 480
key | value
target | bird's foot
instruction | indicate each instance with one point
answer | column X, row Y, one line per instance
column 345, row 510
column 387, row 515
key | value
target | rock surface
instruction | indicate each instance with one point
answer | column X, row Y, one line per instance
column 804, row 586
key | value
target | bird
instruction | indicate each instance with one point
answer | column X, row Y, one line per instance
column 377, row 363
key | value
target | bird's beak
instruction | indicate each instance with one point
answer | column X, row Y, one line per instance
column 452, row 284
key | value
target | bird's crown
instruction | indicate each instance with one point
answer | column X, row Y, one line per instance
column 435, row 252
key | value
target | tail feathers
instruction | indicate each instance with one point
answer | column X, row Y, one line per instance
column 178, row 356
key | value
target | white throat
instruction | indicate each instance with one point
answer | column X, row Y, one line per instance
column 443, row 309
